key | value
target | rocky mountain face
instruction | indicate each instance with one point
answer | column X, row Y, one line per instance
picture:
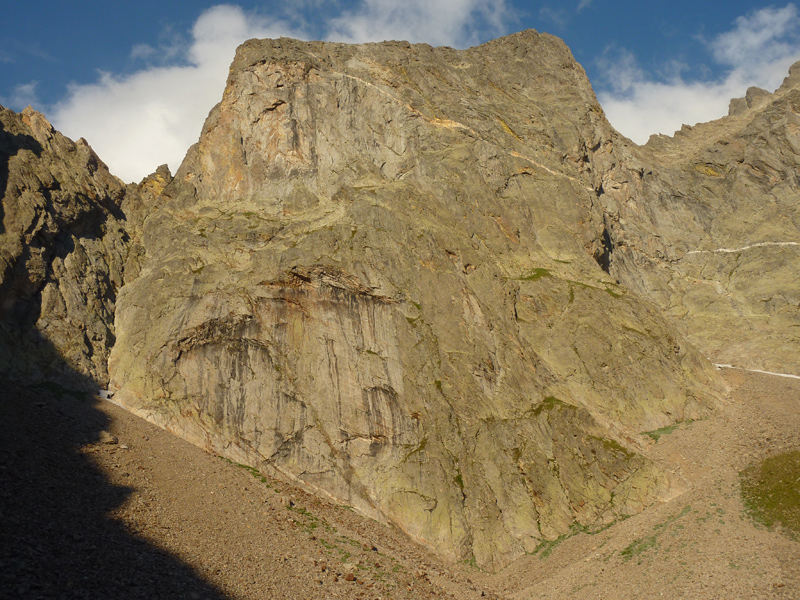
column 434, row 285
column 62, row 251
column 706, row 224
column 375, row 274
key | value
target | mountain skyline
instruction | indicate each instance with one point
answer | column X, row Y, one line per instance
column 137, row 83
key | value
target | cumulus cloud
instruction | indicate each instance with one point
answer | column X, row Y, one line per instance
column 766, row 36
column 758, row 51
column 139, row 121
column 458, row 23
column 23, row 95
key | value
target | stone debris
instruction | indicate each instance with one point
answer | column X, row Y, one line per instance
column 104, row 437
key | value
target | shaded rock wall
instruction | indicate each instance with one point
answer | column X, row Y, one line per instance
column 62, row 249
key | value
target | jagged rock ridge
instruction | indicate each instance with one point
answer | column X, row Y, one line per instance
column 707, row 225
column 62, row 251
column 432, row 284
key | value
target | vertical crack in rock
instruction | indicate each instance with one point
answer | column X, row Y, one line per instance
column 603, row 253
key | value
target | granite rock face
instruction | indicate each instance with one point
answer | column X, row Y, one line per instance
column 62, row 249
column 706, row 224
column 434, row 285
column 377, row 274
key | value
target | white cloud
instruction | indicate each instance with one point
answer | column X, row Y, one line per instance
column 758, row 51
column 22, row 96
column 143, row 51
column 140, row 121
column 766, row 36
column 455, row 23
column 621, row 70
column 584, row 4
column 558, row 17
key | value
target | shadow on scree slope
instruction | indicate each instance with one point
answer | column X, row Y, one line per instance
column 56, row 540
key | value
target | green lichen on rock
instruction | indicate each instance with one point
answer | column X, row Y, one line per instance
column 535, row 274
column 548, row 404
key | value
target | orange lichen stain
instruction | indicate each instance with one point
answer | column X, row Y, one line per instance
column 508, row 129
column 505, row 227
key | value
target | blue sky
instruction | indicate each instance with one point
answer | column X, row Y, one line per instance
column 137, row 79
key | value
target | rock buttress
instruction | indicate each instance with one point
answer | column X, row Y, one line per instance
column 374, row 276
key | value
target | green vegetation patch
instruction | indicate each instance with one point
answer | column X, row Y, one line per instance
column 310, row 523
column 642, row 545
column 252, row 470
column 638, row 546
column 583, row 285
column 612, row 446
column 418, row 450
column 654, row 435
column 546, row 547
column 535, row 274
column 549, row 404
column 459, row 481
column 471, row 562
column 771, row 491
